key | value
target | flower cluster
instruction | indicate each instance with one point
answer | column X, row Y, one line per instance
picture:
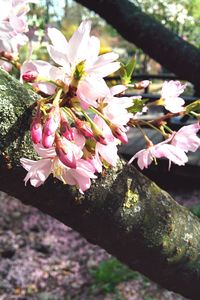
column 13, row 25
column 79, row 121
column 173, row 148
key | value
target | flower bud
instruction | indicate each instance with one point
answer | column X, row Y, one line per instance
column 9, row 56
column 119, row 133
column 36, row 128
column 36, row 132
column 30, row 76
column 50, row 127
column 67, row 131
column 98, row 134
column 65, row 152
column 48, row 140
column 100, row 138
column 142, row 84
column 84, row 128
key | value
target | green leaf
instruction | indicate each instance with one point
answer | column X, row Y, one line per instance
column 126, row 71
column 137, row 106
column 130, row 67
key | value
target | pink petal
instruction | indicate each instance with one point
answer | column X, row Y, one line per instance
column 90, row 89
column 174, row 154
column 108, row 152
column 58, row 39
column 93, row 49
column 18, row 24
column 105, row 70
column 38, row 171
column 44, row 152
column 78, row 44
column 105, row 59
column 59, row 57
column 117, row 89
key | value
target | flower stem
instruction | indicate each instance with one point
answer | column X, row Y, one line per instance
column 154, row 127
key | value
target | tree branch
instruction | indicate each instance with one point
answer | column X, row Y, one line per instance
column 153, row 38
column 124, row 212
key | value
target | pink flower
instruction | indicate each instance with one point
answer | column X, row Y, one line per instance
column 38, row 171
column 90, row 89
column 67, row 152
column 174, row 154
column 41, row 72
column 66, row 130
column 81, row 176
column 79, row 59
column 163, row 149
column 119, row 133
column 115, row 108
column 84, row 128
column 145, row 157
column 6, row 65
column 109, row 151
column 13, row 24
column 170, row 93
column 186, row 138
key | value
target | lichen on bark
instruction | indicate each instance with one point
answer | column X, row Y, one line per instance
column 15, row 112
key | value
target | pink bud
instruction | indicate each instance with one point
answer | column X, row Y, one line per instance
column 9, row 56
column 119, row 134
column 84, row 128
column 50, row 127
column 30, row 76
column 36, row 128
column 67, row 131
column 65, row 152
column 142, row 84
column 36, row 132
column 48, row 140
column 101, row 139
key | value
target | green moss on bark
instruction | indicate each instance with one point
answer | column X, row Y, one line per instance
column 15, row 113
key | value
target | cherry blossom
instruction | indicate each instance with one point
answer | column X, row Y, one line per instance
column 79, row 121
column 13, row 25
column 160, row 150
column 109, row 151
column 39, row 171
column 186, row 138
column 170, row 94
column 40, row 73
column 80, row 61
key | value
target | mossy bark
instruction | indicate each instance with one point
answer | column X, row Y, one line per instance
column 167, row 48
column 124, row 212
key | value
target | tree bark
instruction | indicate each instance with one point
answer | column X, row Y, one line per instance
column 123, row 212
column 167, row 48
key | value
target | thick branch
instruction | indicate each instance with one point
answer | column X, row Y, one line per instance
column 123, row 212
column 161, row 44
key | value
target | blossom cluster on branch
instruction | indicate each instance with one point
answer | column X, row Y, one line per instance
column 79, row 121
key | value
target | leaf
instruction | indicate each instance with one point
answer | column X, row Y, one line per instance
column 130, row 67
column 126, row 71
column 137, row 106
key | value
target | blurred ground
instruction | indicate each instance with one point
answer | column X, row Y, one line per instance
column 41, row 259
